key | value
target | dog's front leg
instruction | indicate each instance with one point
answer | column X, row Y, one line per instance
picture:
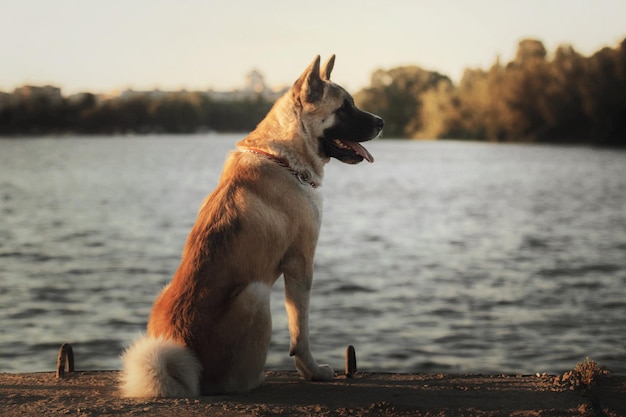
column 297, row 294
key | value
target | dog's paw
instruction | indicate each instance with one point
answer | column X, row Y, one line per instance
column 310, row 370
column 324, row 373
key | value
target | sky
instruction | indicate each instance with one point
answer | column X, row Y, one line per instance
column 106, row 45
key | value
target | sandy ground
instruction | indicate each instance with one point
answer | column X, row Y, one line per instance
column 285, row 394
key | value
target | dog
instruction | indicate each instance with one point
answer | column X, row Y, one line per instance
column 209, row 329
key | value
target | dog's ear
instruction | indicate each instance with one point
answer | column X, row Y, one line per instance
column 310, row 86
column 327, row 68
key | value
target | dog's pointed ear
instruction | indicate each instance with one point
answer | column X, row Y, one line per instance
column 327, row 68
column 310, row 86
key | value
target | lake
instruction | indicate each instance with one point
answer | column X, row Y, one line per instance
column 438, row 257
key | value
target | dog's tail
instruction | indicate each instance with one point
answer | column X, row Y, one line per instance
column 157, row 367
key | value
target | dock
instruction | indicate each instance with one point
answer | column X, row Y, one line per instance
column 95, row 393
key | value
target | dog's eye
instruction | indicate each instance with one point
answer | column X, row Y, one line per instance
column 344, row 107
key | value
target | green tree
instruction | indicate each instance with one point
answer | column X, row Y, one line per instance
column 395, row 96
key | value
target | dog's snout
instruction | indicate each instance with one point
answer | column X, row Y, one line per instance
column 379, row 122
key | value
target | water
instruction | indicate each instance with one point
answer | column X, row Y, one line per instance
column 439, row 257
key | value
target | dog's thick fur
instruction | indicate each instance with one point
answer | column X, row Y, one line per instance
column 210, row 328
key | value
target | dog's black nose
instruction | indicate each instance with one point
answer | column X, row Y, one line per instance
column 379, row 122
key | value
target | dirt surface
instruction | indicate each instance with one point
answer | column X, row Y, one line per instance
column 286, row 394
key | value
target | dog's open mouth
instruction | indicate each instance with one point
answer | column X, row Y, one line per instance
column 347, row 151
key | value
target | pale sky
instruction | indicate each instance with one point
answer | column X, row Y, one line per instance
column 105, row 45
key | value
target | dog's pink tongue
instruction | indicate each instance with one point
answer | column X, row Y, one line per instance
column 358, row 148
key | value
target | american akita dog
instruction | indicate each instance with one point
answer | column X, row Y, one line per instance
column 210, row 327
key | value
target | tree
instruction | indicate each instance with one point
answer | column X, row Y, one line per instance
column 395, row 96
column 525, row 90
column 604, row 95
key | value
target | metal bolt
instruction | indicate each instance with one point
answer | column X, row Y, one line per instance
column 65, row 360
column 350, row 362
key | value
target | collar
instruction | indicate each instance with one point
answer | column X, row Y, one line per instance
column 303, row 176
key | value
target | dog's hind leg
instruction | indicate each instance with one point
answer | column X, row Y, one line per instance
column 247, row 330
column 297, row 294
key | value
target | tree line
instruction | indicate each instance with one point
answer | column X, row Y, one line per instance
column 177, row 112
column 564, row 98
column 567, row 98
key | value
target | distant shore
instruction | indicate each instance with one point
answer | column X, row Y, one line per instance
column 94, row 393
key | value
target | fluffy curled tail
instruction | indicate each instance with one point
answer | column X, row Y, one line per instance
column 156, row 367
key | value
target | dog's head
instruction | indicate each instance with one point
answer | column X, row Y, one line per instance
column 329, row 115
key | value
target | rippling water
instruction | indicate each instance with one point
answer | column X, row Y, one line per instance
column 440, row 256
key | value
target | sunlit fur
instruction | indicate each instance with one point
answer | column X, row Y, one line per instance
column 210, row 328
